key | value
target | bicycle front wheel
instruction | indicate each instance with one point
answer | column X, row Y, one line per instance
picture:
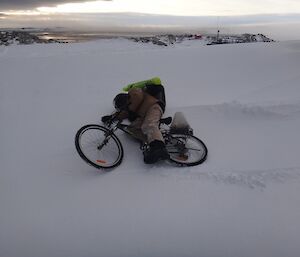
column 186, row 150
column 98, row 147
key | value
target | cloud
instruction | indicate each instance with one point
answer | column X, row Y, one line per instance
column 278, row 27
column 147, row 20
column 2, row 17
column 6, row 5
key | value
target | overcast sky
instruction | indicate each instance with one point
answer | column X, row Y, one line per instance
column 145, row 14
column 30, row 4
column 172, row 7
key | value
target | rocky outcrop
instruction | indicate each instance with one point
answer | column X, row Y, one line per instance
column 233, row 39
column 21, row 37
column 164, row 40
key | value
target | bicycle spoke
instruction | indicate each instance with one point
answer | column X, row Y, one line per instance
column 193, row 149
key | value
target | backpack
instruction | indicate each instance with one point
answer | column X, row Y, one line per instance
column 152, row 87
column 142, row 84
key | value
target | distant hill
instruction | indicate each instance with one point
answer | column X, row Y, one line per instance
column 30, row 36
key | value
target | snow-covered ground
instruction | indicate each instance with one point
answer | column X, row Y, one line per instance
column 242, row 100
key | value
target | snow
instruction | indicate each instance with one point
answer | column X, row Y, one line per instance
column 242, row 100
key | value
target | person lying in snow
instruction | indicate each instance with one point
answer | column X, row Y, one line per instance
column 143, row 105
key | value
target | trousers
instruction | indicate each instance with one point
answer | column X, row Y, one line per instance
column 148, row 125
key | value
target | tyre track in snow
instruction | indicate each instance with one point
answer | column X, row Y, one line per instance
column 253, row 179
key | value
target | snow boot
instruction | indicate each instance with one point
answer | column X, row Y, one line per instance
column 156, row 152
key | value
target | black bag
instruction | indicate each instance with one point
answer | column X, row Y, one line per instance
column 158, row 92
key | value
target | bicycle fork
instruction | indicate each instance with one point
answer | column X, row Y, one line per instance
column 108, row 136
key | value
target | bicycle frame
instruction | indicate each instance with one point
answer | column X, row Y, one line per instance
column 113, row 126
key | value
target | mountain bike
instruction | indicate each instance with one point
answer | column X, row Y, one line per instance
column 100, row 147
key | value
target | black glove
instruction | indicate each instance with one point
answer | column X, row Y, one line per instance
column 132, row 116
column 106, row 118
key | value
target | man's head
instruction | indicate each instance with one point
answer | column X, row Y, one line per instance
column 121, row 101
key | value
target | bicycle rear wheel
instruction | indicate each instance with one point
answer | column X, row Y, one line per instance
column 98, row 147
column 186, row 150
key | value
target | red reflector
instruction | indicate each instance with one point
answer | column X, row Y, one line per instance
column 101, row 161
